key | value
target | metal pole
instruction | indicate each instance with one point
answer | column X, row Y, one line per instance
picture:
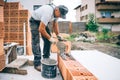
column 24, row 32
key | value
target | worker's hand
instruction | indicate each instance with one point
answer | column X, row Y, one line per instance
column 52, row 40
column 60, row 38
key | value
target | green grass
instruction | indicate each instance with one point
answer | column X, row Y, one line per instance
column 72, row 37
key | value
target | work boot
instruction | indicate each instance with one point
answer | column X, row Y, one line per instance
column 38, row 68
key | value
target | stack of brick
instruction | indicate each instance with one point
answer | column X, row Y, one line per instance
column 2, row 55
column 15, row 16
column 1, row 2
column 1, row 20
column 73, row 70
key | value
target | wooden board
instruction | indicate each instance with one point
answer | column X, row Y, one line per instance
column 17, row 63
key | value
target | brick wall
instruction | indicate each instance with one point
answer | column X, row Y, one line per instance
column 73, row 70
column 70, row 27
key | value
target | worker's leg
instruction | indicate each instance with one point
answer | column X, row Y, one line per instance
column 36, row 47
column 35, row 42
column 47, row 45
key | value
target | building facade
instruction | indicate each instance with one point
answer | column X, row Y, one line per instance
column 107, row 12
column 77, row 16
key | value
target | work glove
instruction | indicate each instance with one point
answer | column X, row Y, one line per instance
column 60, row 38
column 52, row 40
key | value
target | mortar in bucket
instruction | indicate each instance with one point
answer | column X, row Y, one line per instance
column 49, row 68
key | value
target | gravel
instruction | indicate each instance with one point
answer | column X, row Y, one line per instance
column 103, row 47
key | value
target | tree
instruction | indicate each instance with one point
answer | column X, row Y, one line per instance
column 92, row 25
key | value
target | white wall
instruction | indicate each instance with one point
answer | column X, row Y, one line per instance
column 116, row 14
column 116, row 27
column 90, row 8
column 77, row 16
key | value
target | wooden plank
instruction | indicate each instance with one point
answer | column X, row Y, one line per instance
column 8, row 45
column 10, row 51
column 14, row 71
column 17, row 63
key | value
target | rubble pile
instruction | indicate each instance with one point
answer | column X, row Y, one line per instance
column 118, row 43
column 86, row 37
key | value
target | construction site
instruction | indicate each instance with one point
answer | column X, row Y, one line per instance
column 86, row 53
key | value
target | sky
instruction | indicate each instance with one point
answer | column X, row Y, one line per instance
column 71, row 4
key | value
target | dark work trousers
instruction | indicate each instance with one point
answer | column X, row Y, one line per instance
column 36, row 42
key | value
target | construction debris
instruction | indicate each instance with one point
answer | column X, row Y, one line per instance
column 14, row 71
column 86, row 36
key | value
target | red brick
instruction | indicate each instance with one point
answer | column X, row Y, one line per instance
column 6, row 13
column 73, row 70
column 23, row 20
column 23, row 13
column 21, row 42
column 6, row 6
column 14, row 13
column 15, row 5
column 79, row 72
column 73, row 63
column 1, row 26
column 14, row 21
column 7, row 28
column 1, row 46
column 1, row 14
column 62, row 68
column 1, row 30
column 84, row 78
column 6, row 37
column 13, row 36
column 21, row 35
column 21, row 28
column 14, row 28
column 6, row 21
column 12, row 40
column 29, row 50
column 1, row 2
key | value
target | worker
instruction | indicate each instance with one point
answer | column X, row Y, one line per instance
column 39, row 21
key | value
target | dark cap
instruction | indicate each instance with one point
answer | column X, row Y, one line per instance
column 63, row 11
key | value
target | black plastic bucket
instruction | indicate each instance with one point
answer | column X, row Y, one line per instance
column 49, row 68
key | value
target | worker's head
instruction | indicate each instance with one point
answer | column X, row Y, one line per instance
column 61, row 11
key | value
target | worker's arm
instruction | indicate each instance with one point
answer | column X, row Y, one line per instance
column 55, row 27
column 42, row 30
column 56, row 30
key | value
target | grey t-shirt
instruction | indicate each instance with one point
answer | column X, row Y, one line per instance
column 44, row 14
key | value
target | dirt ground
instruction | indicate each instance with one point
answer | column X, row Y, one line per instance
column 103, row 47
